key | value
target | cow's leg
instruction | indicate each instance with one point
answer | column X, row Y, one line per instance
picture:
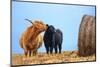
column 32, row 52
column 47, row 48
column 52, row 43
column 55, row 49
column 26, row 52
column 51, row 49
column 35, row 52
column 60, row 47
column 29, row 53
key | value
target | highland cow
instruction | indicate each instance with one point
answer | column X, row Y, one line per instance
column 86, row 38
column 31, row 39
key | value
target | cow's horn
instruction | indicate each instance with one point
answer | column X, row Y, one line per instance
column 29, row 21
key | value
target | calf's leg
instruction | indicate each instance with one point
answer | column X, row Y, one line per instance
column 47, row 48
column 51, row 49
column 55, row 47
column 60, row 47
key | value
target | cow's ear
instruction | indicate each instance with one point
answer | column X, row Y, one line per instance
column 47, row 25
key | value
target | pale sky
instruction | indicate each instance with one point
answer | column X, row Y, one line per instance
column 65, row 17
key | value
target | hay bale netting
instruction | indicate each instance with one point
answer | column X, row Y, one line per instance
column 87, row 36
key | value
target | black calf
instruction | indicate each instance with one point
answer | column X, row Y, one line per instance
column 53, row 39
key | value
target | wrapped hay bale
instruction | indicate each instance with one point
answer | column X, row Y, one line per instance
column 87, row 36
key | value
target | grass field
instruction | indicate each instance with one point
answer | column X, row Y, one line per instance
column 43, row 58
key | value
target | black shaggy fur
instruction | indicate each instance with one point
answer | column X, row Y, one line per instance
column 53, row 39
column 58, row 40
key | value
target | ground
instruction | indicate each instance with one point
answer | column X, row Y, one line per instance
column 43, row 58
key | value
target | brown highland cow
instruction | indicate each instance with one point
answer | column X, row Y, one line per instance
column 31, row 39
column 87, row 36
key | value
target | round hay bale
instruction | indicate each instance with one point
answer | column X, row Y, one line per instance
column 87, row 36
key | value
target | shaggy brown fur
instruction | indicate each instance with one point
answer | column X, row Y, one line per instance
column 31, row 39
column 87, row 39
column 39, row 43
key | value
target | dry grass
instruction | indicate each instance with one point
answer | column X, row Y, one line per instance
column 43, row 58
